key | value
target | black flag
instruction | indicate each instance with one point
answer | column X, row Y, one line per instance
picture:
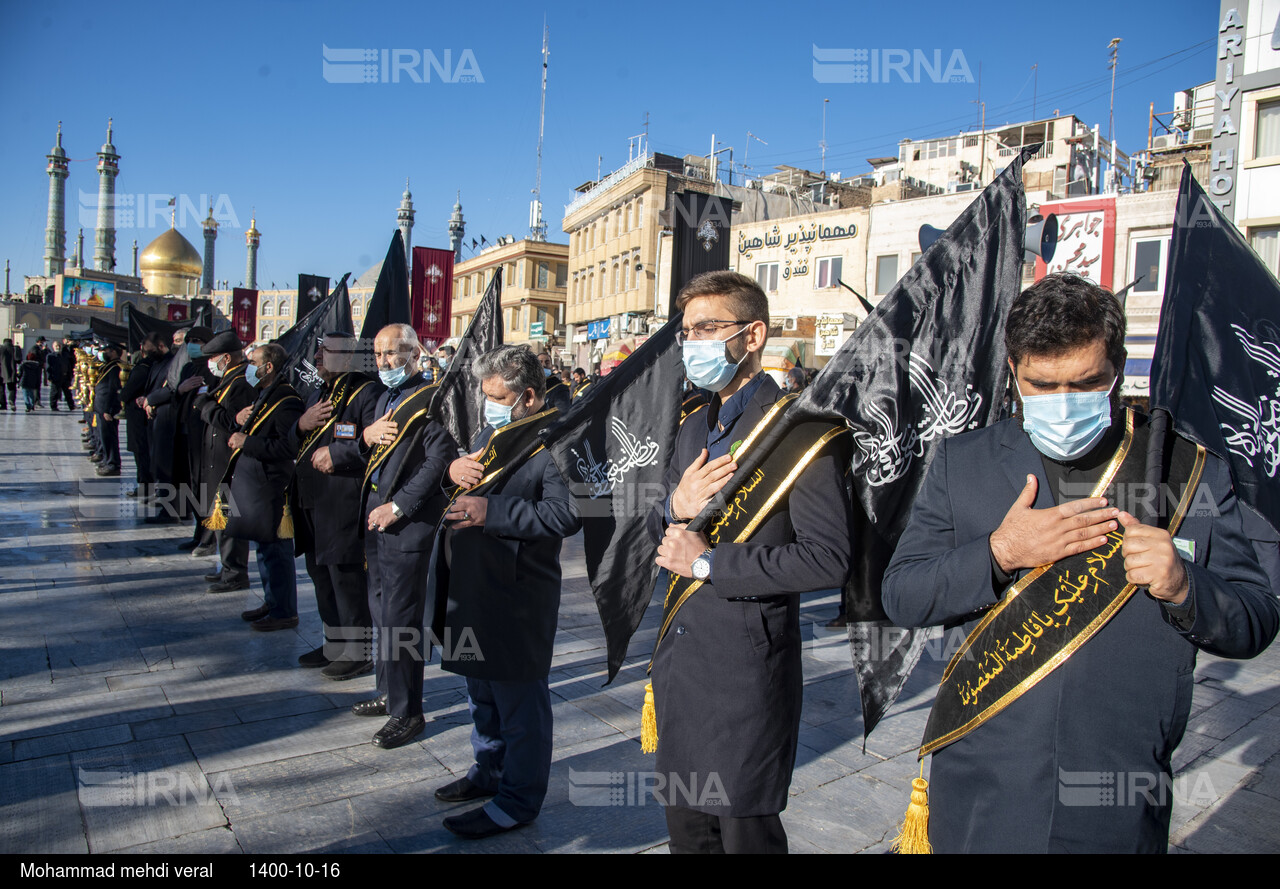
column 1217, row 356
column 312, row 290
column 612, row 449
column 700, row 238
column 459, row 402
column 390, row 301
column 300, row 341
column 927, row 364
column 140, row 324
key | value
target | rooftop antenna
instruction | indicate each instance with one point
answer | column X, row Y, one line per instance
column 746, row 153
column 538, row 225
column 823, row 143
column 1114, row 47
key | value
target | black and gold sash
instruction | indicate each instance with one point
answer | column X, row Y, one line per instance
column 217, row 518
column 407, row 416
column 104, row 371
column 693, row 402
column 345, row 388
column 1046, row 616
column 746, row 508
column 228, row 379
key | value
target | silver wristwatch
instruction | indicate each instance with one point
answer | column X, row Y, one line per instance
column 395, row 510
column 702, row 566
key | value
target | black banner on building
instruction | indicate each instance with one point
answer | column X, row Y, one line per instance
column 701, row 224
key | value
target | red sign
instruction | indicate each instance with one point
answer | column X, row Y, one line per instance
column 1086, row 239
column 177, row 311
column 244, row 313
column 432, row 295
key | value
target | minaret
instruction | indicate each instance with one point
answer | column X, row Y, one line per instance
column 78, row 262
column 457, row 228
column 210, row 226
column 135, row 257
column 104, row 239
column 404, row 220
column 251, row 238
column 55, row 234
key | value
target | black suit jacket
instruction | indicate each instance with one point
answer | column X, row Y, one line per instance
column 502, row 584
column 411, row 476
column 260, row 475
column 218, row 409
column 325, row 518
column 727, row 677
column 106, row 390
column 1118, row 706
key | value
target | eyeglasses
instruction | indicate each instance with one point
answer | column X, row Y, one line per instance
column 704, row 330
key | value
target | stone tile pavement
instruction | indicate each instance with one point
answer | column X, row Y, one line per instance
column 122, row 681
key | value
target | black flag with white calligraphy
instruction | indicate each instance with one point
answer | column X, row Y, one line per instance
column 332, row 315
column 1216, row 368
column 927, row 364
column 613, row 449
column 459, row 402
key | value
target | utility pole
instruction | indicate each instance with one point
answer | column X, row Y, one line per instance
column 823, row 143
column 1035, row 88
column 537, row 225
column 1114, row 47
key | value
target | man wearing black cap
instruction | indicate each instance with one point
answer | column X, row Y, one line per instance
column 326, row 485
column 218, row 409
column 170, row 407
column 107, row 408
column 260, row 468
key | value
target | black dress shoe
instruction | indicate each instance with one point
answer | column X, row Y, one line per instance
column 372, row 707
column 201, row 552
column 111, row 471
column 340, row 671
column 398, row 731
column 230, row 586
column 461, row 791
column 95, row 458
column 313, row 659
column 475, row 825
column 213, row 577
column 271, row 624
column 256, row 613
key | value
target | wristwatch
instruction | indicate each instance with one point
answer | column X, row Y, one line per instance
column 395, row 510
column 702, row 566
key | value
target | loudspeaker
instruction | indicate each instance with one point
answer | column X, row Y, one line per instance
column 929, row 234
column 1041, row 239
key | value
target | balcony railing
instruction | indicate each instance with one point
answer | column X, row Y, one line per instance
column 608, row 182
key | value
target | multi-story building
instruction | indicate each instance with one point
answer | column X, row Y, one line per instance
column 535, row 278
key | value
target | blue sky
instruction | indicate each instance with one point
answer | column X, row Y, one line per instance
column 229, row 99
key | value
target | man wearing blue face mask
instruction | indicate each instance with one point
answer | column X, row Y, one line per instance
column 406, row 456
column 1099, row 676
column 727, row 678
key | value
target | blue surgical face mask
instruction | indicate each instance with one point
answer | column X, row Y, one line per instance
column 251, row 375
column 444, row 362
column 395, row 377
column 547, row 372
column 707, row 365
column 1066, row 425
column 193, row 350
column 497, row 415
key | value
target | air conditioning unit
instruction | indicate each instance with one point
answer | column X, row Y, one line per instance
column 1162, row 143
column 1201, row 134
column 789, row 323
column 636, row 325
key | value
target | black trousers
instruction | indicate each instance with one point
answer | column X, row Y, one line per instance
column 8, row 395
column 397, row 603
column 697, row 832
column 109, row 430
column 234, row 554
column 142, row 456
column 342, row 599
column 57, row 390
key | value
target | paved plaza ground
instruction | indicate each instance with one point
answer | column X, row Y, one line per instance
column 115, row 662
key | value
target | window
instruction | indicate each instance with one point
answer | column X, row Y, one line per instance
column 265, row 332
column 626, row 274
column 639, row 212
column 616, row 271
column 514, row 319
column 285, row 308
column 1147, row 257
column 828, row 272
column 604, row 228
column 1267, row 141
column 562, row 274
column 1266, row 243
column 544, row 272
column 767, row 276
column 629, row 211
column 915, row 256
column 886, row 273
column 266, row 307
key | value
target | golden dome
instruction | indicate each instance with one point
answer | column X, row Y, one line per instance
column 171, row 254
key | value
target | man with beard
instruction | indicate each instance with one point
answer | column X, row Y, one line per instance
column 260, row 468
column 1111, row 694
column 326, row 484
column 168, row 406
column 407, row 456
column 107, row 409
column 218, row 409
column 59, row 369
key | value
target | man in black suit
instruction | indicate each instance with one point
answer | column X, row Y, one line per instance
column 727, row 678
column 218, row 409
column 327, row 485
column 557, row 393
column 407, row 456
column 1003, row 500
column 134, row 390
column 59, row 368
column 259, row 480
column 8, row 376
column 107, row 409
column 498, row 564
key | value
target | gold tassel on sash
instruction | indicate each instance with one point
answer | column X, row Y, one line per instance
column 648, row 722
column 285, row 531
column 217, row 519
column 913, row 836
